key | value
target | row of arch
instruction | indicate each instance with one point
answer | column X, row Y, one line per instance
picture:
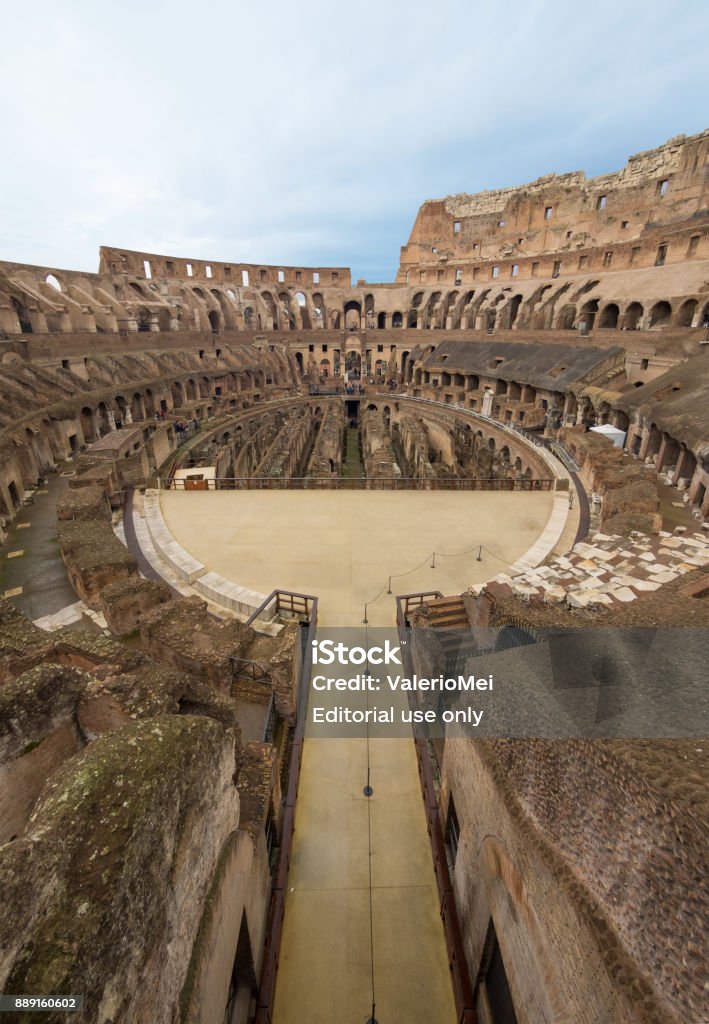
column 45, row 442
column 633, row 316
column 56, row 304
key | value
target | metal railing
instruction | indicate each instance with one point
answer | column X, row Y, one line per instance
column 457, row 963
column 405, row 602
column 337, row 483
column 288, row 601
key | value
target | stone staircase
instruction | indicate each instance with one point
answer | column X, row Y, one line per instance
column 448, row 612
column 447, row 615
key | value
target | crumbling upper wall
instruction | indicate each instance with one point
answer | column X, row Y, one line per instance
column 658, row 190
column 129, row 261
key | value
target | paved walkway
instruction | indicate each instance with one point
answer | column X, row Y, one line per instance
column 32, row 573
column 337, row 944
column 342, row 546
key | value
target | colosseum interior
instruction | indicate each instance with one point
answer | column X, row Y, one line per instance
column 204, row 466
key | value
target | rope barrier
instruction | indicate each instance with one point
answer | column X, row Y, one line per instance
column 434, row 554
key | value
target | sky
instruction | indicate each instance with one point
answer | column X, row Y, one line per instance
column 309, row 134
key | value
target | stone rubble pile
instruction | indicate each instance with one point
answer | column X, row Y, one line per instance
column 609, row 570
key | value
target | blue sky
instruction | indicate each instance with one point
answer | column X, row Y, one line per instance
column 311, row 133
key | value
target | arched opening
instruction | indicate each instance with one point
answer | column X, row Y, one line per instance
column 369, row 311
column 397, row 320
column 685, row 316
column 324, row 367
column 353, row 365
column 609, row 316
column 227, row 312
column 22, row 316
column 660, row 314
column 272, row 311
column 588, row 313
column 88, row 427
column 566, row 318
column 122, row 408
column 318, row 308
column 381, row 321
column 353, row 315
column 413, row 318
column 51, row 280
column 213, row 318
column 143, row 318
column 514, row 305
column 632, row 317
column 178, row 395
column 137, row 407
column 299, row 361
column 102, row 419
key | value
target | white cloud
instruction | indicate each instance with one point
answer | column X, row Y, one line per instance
column 279, row 134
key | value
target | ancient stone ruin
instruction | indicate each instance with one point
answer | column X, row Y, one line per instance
column 157, row 842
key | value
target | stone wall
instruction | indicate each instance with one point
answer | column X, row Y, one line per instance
column 83, row 867
column 125, row 602
column 94, row 557
column 83, row 504
column 326, row 459
column 380, row 462
column 286, row 455
column 584, row 855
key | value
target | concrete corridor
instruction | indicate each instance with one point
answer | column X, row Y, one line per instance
column 326, row 961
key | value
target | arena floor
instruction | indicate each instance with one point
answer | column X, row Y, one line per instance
column 341, row 937
column 343, row 545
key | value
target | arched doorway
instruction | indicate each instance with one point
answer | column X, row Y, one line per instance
column 353, row 315
column 632, row 317
column 609, row 316
column 660, row 314
column 353, row 365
